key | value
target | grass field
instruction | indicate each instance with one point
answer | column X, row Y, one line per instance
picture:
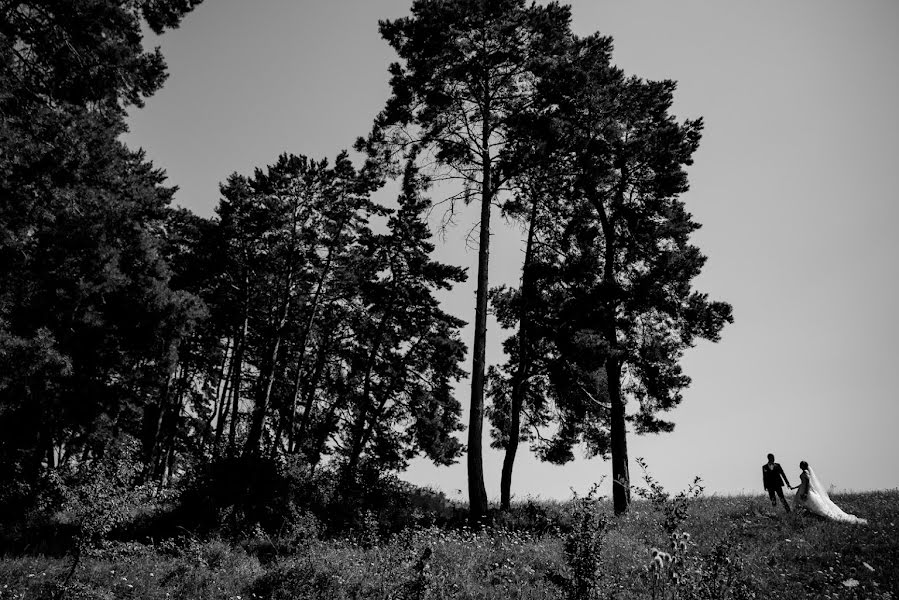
column 738, row 547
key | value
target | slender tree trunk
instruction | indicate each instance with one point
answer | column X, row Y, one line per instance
column 519, row 383
column 223, row 400
column 264, row 390
column 169, row 431
column 237, row 371
column 207, row 435
column 309, row 399
column 155, row 436
column 358, row 436
column 477, row 492
column 170, row 436
column 304, row 339
column 621, row 491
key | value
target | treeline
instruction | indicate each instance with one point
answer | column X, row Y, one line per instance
column 300, row 322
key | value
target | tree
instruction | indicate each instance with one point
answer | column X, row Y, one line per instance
column 407, row 353
column 84, row 294
column 280, row 234
column 519, row 388
column 468, row 72
column 336, row 328
column 626, row 256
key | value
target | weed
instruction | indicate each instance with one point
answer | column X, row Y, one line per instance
column 582, row 546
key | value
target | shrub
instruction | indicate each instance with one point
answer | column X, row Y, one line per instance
column 583, row 546
column 673, row 510
column 679, row 568
column 237, row 496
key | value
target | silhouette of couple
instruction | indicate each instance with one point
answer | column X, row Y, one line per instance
column 810, row 494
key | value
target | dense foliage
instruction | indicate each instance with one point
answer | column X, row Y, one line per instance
column 285, row 358
column 89, row 323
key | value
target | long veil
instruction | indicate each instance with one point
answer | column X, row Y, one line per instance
column 823, row 505
column 816, row 485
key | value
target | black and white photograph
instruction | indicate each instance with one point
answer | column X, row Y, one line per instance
column 449, row 299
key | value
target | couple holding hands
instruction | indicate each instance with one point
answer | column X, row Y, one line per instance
column 810, row 495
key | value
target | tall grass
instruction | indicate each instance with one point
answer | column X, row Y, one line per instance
column 736, row 547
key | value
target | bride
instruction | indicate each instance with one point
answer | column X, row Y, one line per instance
column 812, row 496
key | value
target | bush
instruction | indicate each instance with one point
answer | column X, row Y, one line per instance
column 537, row 518
column 104, row 495
column 238, row 496
column 582, row 547
column 673, row 510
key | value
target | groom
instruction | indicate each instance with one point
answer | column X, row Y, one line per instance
column 771, row 478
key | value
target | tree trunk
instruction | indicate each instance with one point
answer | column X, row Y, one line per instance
column 170, row 436
column 519, row 383
column 477, row 493
column 621, row 490
column 264, row 389
column 309, row 398
column 358, row 435
column 223, row 400
column 155, row 435
column 237, row 370
column 304, row 339
column 207, row 435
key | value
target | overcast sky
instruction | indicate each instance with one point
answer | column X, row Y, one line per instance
column 795, row 184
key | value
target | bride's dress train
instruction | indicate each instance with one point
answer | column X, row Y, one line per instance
column 818, row 502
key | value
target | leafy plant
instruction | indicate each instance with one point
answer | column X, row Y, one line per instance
column 582, row 546
column 673, row 509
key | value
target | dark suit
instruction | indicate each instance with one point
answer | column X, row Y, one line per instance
column 773, row 478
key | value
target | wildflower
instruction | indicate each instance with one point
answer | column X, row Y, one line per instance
column 653, row 552
column 850, row 583
column 657, row 563
column 686, row 536
column 683, row 546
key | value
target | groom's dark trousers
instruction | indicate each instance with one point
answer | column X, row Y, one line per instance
column 773, row 478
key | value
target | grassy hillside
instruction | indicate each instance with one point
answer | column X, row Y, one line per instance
column 736, row 547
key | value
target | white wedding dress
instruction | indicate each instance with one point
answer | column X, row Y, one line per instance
column 818, row 502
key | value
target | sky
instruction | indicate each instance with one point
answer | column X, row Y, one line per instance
column 795, row 185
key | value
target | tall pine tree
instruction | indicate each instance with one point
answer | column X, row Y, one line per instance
column 625, row 255
column 468, row 72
